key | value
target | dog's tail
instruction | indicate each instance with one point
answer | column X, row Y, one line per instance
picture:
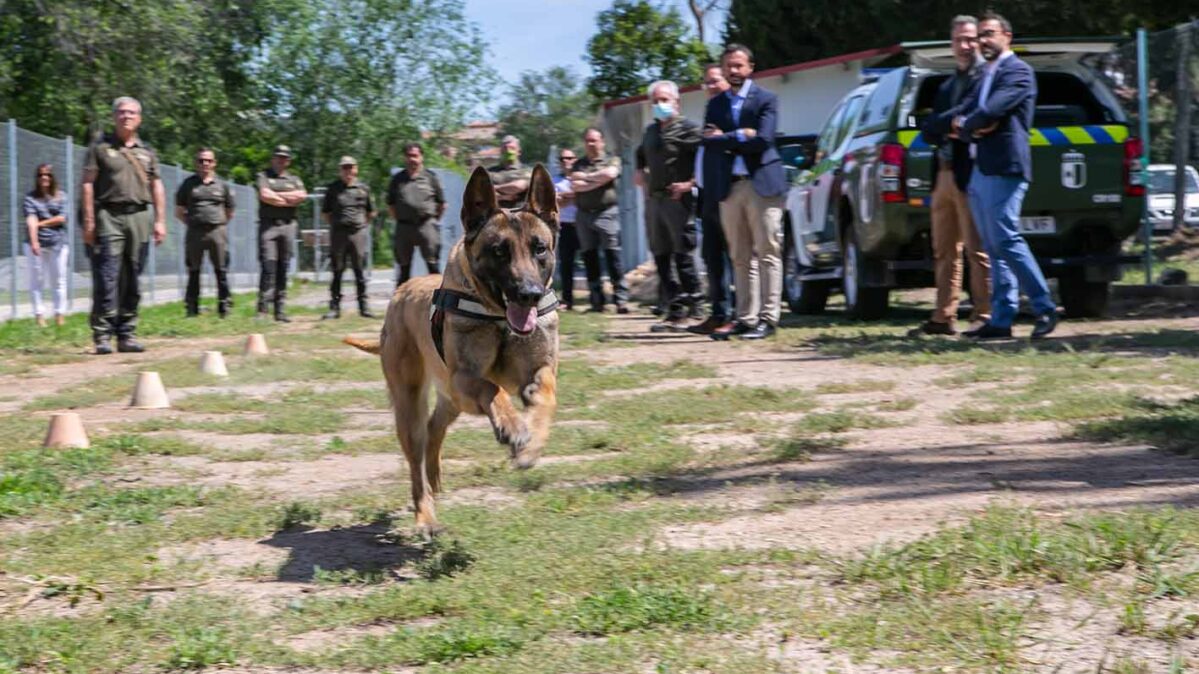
column 369, row 346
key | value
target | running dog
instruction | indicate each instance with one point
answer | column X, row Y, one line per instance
column 482, row 335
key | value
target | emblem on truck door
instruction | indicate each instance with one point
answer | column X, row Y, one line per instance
column 1074, row 170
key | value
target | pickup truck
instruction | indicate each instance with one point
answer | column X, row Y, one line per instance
column 858, row 213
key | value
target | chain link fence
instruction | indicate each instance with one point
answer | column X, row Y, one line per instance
column 165, row 275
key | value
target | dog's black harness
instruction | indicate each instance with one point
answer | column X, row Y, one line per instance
column 455, row 302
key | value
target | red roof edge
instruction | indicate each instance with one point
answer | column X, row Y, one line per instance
column 783, row 70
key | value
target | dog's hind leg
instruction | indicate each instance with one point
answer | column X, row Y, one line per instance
column 443, row 415
column 541, row 401
column 411, row 418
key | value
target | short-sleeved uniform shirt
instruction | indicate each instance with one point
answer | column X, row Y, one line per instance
column 124, row 173
column 502, row 174
column 415, row 198
column 278, row 182
column 668, row 151
column 206, row 203
column 600, row 199
column 44, row 209
column 347, row 205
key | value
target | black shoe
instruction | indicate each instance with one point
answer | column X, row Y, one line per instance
column 596, row 309
column 622, row 309
column 129, row 345
column 103, row 348
column 282, row 317
column 657, row 310
column 933, row 328
column 760, row 331
column 733, row 330
column 1046, row 323
column 333, row 312
column 193, row 314
column 988, row 331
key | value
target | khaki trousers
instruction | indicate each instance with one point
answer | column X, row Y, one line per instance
column 953, row 229
column 753, row 227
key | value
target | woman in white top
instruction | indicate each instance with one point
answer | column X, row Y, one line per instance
column 47, row 245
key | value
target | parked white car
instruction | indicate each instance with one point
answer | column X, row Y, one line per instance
column 1161, row 197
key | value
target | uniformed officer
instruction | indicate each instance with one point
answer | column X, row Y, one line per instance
column 594, row 183
column 510, row 177
column 416, row 202
column 204, row 204
column 348, row 210
column 120, row 182
column 279, row 195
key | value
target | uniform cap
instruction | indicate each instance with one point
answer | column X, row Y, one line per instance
column 282, row 151
column 347, row 160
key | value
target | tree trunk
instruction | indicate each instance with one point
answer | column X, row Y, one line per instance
column 1182, row 125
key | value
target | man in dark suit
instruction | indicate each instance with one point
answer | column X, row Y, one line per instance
column 952, row 225
column 714, row 249
column 997, row 117
column 739, row 126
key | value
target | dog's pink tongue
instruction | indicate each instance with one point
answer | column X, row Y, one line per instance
column 522, row 319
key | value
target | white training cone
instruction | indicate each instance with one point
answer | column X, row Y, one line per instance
column 149, row 393
column 213, row 363
column 66, row 430
column 256, row 345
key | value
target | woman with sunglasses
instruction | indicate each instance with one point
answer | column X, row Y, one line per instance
column 47, row 246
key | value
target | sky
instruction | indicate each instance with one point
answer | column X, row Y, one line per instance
column 536, row 34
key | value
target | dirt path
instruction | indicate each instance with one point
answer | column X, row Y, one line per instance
column 896, row 483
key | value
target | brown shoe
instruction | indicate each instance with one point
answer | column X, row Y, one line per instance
column 41, row 321
column 60, row 320
column 710, row 324
column 933, row 328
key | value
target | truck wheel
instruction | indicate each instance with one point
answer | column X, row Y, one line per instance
column 1082, row 298
column 803, row 297
column 862, row 302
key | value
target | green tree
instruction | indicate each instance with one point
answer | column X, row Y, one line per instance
column 637, row 42
column 547, row 109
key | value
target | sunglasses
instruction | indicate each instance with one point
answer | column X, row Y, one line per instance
column 567, row 158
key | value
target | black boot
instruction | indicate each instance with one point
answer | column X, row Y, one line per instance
column 281, row 311
column 364, row 308
column 334, row 309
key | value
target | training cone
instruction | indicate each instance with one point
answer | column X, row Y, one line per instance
column 66, row 430
column 256, row 345
column 213, row 363
column 149, row 393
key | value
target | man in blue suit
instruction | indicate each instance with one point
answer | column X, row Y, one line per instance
column 997, row 115
column 739, row 127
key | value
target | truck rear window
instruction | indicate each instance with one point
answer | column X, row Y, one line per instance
column 1062, row 100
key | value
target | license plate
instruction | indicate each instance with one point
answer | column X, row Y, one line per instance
column 1044, row 224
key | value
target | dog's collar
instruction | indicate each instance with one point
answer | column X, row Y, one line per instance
column 446, row 301
column 456, row 302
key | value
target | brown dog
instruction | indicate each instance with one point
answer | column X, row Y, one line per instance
column 482, row 334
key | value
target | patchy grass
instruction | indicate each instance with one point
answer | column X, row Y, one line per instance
column 1173, row 427
column 858, row 386
column 840, row 422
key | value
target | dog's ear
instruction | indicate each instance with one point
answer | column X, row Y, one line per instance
column 478, row 201
column 543, row 199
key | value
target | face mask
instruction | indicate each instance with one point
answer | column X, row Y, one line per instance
column 663, row 111
column 509, row 156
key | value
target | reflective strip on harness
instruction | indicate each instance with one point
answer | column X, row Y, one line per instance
column 1065, row 136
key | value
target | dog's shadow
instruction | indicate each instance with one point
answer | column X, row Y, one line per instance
column 365, row 549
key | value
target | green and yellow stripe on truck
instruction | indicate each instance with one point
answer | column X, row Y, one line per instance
column 1045, row 136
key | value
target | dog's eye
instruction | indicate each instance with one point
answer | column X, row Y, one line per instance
column 539, row 248
column 499, row 250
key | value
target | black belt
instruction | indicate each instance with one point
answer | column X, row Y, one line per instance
column 737, row 179
column 124, row 208
column 273, row 220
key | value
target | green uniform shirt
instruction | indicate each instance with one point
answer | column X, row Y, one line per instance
column 502, row 174
column 205, row 202
column 287, row 182
column 118, row 179
column 600, row 198
column 668, row 151
column 415, row 198
column 347, row 205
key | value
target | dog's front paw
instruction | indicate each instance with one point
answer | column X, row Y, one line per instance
column 515, row 434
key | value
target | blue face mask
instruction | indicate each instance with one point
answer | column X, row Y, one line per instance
column 663, row 111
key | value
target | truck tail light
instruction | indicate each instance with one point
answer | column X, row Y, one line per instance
column 1134, row 176
column 891, row 172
